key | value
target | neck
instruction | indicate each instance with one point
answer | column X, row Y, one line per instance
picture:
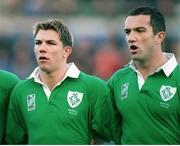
column 53, row 78
column 150, row 66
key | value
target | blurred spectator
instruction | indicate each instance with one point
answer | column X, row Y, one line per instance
column 64, row 6
column 35, row 7
column 175, row 48
column 94, row 22
column 22, row 61
column 167, row 6
column 12, row 7
column 5, row 51
column 107, row 7
column 176, row 51
column 107, row 60
column 82, row 54
column 4, row 59
column 46, row 7
column 174, row 41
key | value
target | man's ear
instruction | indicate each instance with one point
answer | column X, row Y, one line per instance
column 67, row 51
column 160, row 36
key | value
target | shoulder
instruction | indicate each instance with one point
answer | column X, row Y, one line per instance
column 121, row 73
column 24, row 84
column 178, row 67
column 7, row 75
column 93, row 83
column 7, row 79
column 96, row 89
column 89, row 79
column 22, row 87
column 176, row 73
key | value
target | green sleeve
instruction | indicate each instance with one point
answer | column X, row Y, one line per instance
column 7, row 83
column 116, row 121
column 15, row 133
column 103, row 119
column 100, row 115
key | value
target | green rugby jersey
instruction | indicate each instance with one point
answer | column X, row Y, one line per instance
column 150, row 115
column 75, row 108
column 7, row 82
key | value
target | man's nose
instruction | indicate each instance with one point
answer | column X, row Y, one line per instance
column 131, row 37
column 43, row 47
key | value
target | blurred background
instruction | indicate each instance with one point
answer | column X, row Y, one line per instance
column 97, row 26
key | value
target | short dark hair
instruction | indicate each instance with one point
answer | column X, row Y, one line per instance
column 56, row 25
column 157, row 20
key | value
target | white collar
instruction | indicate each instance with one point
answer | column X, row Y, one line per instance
column 167, row 67
column 72, row 72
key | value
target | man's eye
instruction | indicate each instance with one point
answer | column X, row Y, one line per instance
column 37, row 43
column 127, row 31
column 51, row 43
column 140, row 30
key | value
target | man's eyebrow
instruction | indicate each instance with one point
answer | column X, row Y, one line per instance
column 140, row 27
column 127, row 29
column 37, row 40
column 50, row 41
column 136, row 28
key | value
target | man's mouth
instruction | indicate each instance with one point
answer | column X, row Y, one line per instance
column 133, row 47
column 42, row 58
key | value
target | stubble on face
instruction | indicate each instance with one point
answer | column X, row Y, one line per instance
column 140, row 38
column 48, row 50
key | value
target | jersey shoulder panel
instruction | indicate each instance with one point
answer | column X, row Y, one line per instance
column 7, row 79
column 94, row 85
column 90, row 80
column 120, row 74
column 23, row 85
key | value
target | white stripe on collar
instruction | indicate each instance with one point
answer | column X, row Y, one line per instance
column 72, row 72
column 168, row 67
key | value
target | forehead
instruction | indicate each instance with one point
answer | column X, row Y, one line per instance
column 47, row 34
column 137, row 21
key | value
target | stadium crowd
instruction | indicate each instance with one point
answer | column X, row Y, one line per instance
column 97, row 26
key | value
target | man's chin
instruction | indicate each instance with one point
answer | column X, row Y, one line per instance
column 44, row 69
column 134, row 57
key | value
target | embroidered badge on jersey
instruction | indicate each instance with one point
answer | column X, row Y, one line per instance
column 167, row 92
column 31, row 105
column 124, row 91
column 74, row 98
